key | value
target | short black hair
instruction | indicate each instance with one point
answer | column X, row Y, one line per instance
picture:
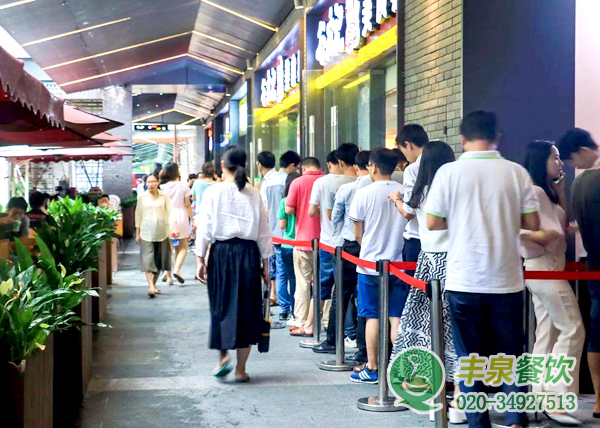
column 347, row 153
column 401, row 157
column 479, row 125
column 37, row 199
column 288, row 182
column 310, row 161
column 267, row 159
column 362, row 159
column 574, row 140
column 385, row 159
column 208, row 169
column 17, row 203
column 332, row 157
column 104, row 196
column 413, row 133
column 288, row 158
column 192, row 176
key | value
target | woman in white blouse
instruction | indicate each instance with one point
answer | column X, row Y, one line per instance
column 233, row 221
column 152, row 227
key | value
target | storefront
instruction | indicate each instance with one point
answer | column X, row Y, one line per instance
column 352, row 89
column 276, row 99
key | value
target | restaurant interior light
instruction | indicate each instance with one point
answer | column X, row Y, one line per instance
column 70, row 33
column 240, row 15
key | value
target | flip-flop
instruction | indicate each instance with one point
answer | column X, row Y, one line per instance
column 300, row 332
column 245, row 380
column 224, row 370
column 179, row 278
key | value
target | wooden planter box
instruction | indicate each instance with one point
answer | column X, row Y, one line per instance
column 128, row 222
column 72, row 365
column 99, row 280
column 26, row 398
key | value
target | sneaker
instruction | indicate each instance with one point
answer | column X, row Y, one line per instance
column 365, row 376
column 349, row 343
column 283, row 316
column 293, row 322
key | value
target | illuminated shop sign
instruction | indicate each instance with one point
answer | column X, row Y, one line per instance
column 159, row 128
column 280, row 80
column 348, row 26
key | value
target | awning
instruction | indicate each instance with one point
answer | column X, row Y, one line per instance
column 65, row 155
column 86, row 123
column 26, row 92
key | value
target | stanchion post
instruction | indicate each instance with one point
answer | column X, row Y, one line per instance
column 316, row 340
column 437, row 345
column 382, row 402
column 339, row 364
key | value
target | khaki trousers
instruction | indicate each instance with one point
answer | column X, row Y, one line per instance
column 303, row 270
column 559, row 329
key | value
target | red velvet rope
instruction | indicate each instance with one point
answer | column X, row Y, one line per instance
column 405, row 265
column 327, row 248
column 292, row 243
column 412, row 281
column 359, row 262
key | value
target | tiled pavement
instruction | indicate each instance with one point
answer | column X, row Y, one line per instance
column 152, row 369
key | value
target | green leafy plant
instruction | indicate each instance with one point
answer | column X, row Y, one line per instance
column 75, row 241
column 129, row 201
column 34, row 302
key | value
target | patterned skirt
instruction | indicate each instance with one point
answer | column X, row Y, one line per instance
column 415, row 326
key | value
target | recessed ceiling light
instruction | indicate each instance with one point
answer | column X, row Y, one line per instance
column 247, row 18
column 70, row 33
column 17, row 3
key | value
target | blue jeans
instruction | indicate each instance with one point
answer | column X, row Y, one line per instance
column 327, row 274
column 285, row 296
column 488, row 324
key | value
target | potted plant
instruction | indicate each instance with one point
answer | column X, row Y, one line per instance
column 35, row 302
column 128, row 204
column 76, row 242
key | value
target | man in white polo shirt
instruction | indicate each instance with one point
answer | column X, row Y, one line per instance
column 484, row 200
column 377, row 229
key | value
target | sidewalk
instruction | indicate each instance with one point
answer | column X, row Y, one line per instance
column 152, row 369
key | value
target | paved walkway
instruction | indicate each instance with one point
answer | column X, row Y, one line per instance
column 152, row 369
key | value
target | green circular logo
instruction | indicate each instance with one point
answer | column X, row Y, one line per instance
column 415, row 377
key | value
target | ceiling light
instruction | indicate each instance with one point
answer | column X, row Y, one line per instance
column 198, row 33
column 141, row 119
column 110, row 73
column 70, row 33
column 247, row 18
column 115, row 51
column 17, row 3
column 250, row 64
column 216, row 64
column 227, row 92
column 298, row 4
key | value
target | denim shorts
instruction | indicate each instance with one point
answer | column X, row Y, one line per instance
column 368, row 296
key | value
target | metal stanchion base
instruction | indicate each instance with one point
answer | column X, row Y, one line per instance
column 333, row 366
column 309, row 343
column 276, row 325
column 373, row 404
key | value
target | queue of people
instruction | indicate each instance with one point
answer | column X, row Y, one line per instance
column 469, row 222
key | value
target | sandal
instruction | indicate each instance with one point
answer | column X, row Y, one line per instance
column 243, row 380
column 152, row 294
column 299, row 332
column 223, row 370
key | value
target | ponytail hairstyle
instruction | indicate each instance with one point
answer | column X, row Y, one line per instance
column 234, row 160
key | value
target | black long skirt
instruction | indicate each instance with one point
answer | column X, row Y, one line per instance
column 235, row 294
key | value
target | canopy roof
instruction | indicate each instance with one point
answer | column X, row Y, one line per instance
column 65, row 155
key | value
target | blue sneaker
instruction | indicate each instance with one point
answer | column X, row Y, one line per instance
column 365, row 376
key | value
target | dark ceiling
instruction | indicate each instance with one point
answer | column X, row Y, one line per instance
column 190, row 48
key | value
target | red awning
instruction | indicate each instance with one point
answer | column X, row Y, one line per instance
column 65, row 155
column 86, row 123
column 28, row 93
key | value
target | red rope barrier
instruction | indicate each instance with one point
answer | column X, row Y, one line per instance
column 410, row 280
column 569, row 276
column 359, row 262
column 405, row 265
column 327, row 248
column 292, row 243
column 571, row 266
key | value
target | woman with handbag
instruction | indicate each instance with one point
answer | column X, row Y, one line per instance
column 233, row 221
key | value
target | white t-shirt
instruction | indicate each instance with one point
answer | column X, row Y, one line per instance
column 383, row 224
column 364, row 181
column 410, row 177
column 482, row 197
column 432, row 241
column 319, row 196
